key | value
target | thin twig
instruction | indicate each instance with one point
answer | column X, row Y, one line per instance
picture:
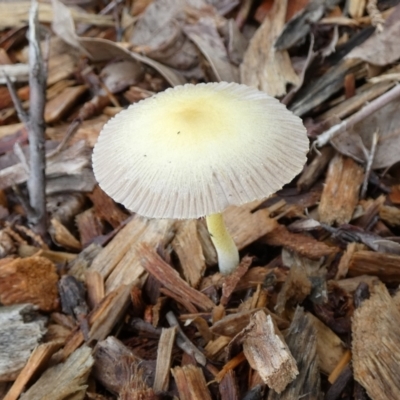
column 183, row 342
column 37, row 84
column 367, row 110
column 68, row 135
column 370, row 160
column 22, row 114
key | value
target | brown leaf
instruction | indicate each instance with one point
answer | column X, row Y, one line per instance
column 382, row 48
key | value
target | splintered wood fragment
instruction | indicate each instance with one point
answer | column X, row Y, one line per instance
column 119, row 262
column 390, row 214
column 170, row 278
column 66, row 380
column 385, row 266
column 228, row 387
column 230, row 366
column 187, row 246
column 95, row 287
column 79, row 266
column 376, row 340
column 59, row 105
column 89, row 226
column 245, row 226
column 26, row 250
column 341, row 191
column 29, row 280
column 106, row 208
column 36, row 363
column 164, row 353
column 210, row 254
column 341, row 365
column 230, row 282
column 101, row 320
column 267, row 352
column 21, row 330
column 301, row 339
column 108, row 355
column 215, row 348
column 191, row 383
column 330, row 348
column 315, row 169
column 350, row 285
column 62, row 236
column 300, row 243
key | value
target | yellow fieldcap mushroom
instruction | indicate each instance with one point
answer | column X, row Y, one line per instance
column 193, row 150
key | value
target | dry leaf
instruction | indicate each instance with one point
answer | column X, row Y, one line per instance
column 264, row 67
column 382, row 48
column 205, row 35
column 386, row 122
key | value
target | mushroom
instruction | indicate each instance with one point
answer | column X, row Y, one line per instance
column 193, row 150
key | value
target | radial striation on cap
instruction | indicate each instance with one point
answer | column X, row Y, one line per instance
column 193, row 150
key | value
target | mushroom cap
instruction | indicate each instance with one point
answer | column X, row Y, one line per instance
column 193, row 150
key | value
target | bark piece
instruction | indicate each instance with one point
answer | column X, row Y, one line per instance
column 21, row 330
column 315, row 93
column 191, row 383
column 301, row 339
column 300, row 243
column 267, row 352
column 376, row 340
column 190, row 253
column 36, row 363
column 29, row 280
column 62, row 236
column 169, row 278
column 315, row 169
column 114, row 364
column 385, row 266
column 340, row 194
column 164, row 353
column 264, row 67
column 246, row 226
column 64, row 381
column 119, row 262
column 89, row 226
column 106, row 208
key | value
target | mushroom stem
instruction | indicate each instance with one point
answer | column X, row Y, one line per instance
column 228, row 255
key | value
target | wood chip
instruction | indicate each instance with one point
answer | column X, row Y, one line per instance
column 21, row 330
column 191, row 383
column 377, row 321
column 66, row 380
column 267, row 352
column 385, row 266
column 119, row 262
column 340, row 194
column 169, row 278
column 164, row 353
column 37, row 363
column 111, row 356
column 300, row 243
column 188, row 248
